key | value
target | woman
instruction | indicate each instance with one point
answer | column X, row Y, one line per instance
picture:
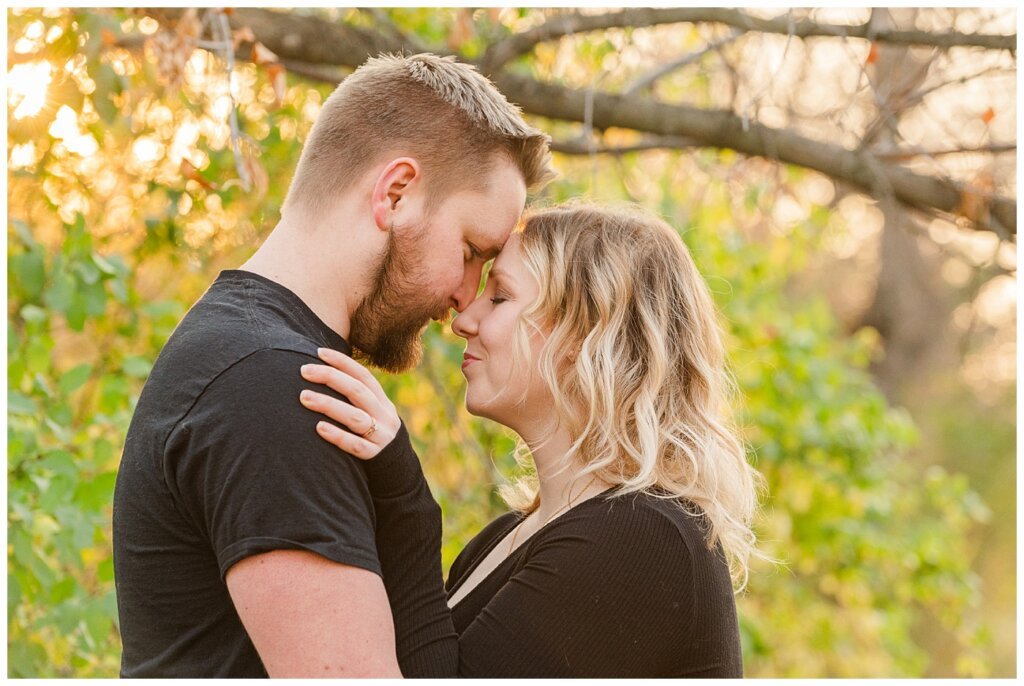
column 596, row 341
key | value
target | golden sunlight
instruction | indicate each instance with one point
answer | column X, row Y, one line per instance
column 26, row 88
column 23, row 155
column 65, row 128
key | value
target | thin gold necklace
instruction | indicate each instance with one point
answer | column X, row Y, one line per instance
column 512, row 545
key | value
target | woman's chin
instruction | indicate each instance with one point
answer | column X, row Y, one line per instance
column 471, row 406
column 477, row 408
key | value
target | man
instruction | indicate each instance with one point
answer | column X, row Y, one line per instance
column 243, row 543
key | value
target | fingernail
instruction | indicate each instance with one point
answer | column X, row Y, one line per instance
column 324, row 427
column 306, row 369
column 306, row 396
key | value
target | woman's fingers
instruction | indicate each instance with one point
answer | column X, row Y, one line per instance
column 350, row 387
column 346, row 364
column 371, row 424
column 358, row 421
column 347, row 441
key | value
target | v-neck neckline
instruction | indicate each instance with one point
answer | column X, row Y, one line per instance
column 515, row 554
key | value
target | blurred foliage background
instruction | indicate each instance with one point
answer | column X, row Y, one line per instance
column 144, row 157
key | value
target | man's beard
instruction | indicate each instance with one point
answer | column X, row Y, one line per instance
column 386, row 326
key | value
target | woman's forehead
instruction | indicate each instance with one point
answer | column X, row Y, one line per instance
column 509, row 261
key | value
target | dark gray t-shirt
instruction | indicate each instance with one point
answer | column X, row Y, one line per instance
column 221, row 462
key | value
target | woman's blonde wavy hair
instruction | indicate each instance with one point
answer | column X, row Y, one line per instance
column 634, row 359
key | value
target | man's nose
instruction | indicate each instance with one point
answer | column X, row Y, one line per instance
column 466, row 293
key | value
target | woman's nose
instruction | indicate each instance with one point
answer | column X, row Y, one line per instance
column 464, row 324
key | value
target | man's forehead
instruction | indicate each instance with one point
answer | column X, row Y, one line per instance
column 490, row 241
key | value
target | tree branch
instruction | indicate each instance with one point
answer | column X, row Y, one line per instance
column 310, row 40
column 724, row 129
column 577, row 147
column 304, row 38
column 575, row 22
column 995, row 149
column 647, row 80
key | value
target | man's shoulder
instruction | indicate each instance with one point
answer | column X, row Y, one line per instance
column 227, row 325
column 224, row 329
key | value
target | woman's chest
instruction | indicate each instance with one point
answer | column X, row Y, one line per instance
column 483, row 582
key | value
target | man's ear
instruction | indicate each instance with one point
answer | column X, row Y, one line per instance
column 395, row 181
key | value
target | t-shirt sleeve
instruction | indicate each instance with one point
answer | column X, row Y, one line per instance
column 247, row 466
column 593, row 599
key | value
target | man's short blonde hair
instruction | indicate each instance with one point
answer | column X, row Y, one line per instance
column 441, row 112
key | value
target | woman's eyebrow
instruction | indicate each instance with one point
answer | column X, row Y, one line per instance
column 497, row 273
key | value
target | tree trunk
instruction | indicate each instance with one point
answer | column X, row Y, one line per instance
column 909, row 309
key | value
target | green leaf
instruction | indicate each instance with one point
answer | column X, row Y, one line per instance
column 29, row 273
column 137, row 366
column 25, row 659
column 37, row 355
column 103, row 264
column 94, row 296
column 61, row 462
column 34, row 314
column 105, row 570
column 96, row 492
column 119, row 291
column 13, row 596
column 62, row 590
column 87, row 271
column 18, row 403
column 162, row 309
column 24, row 233
column 74, row 378
column 22, row 544
column 113, row 394
column 98, row 623
column 57, row 492
column 61, row 292
column 76, row 312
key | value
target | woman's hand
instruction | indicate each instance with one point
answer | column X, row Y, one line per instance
column 369, row 414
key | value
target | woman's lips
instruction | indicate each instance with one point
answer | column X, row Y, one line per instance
column 468, row 359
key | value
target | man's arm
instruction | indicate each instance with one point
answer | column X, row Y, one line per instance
column 246, row 466
column 408, row 522
column 311, row 617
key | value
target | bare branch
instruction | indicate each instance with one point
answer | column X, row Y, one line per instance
column 575, row 22
column 577, row 147
column 684, row 61
column 324, row 73
column 919, row 95
column 910, row 154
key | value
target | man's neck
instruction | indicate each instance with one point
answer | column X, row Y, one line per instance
column 329, row 283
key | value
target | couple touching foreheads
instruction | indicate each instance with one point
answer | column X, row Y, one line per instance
column 270, row 515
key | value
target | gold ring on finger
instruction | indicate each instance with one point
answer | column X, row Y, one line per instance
column 373, row 427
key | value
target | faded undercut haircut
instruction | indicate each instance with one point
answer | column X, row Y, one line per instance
column 443, row 113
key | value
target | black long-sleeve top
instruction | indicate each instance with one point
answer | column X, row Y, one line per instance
column 618, row 586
